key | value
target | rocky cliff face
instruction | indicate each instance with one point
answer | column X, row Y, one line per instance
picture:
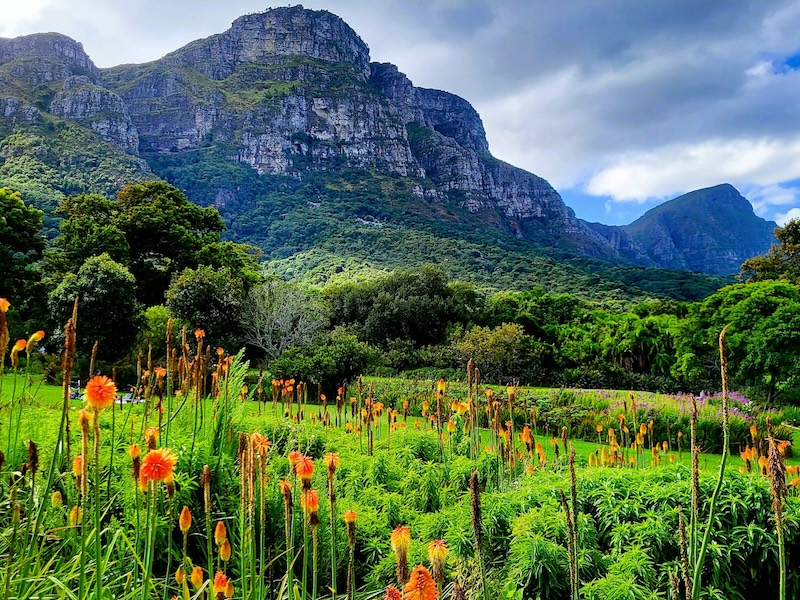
column 291, row 90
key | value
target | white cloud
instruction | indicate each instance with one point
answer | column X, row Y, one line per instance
column 18, row 16
column 783, row 218
column 674, row 169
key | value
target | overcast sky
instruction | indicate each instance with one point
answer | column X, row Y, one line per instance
column 620, row 104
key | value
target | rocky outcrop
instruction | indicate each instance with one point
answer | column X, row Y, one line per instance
column 45, row 57
column 98, row 109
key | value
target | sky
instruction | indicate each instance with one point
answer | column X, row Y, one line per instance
column 619, row 104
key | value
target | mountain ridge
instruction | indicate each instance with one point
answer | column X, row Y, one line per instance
column 246, row 119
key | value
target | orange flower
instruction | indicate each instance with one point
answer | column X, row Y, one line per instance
column 77, row 465
column 220, row 534
column 229, row 590
column 197, row 577
column 151, row 435
column 220, row 583
column 437, row 550
column 304, row 468
column 350, row 516
column 180, row 576
column 331, row 461
column 225, row 551
column 392, row 593
column 33, row 340
column 75, row 515
column 100, row 392
column 260, row 443
column 294, row 456
column 421, row 586
column 199, row 334
column 185, row 519
column 158, row 465
column 310, row 501
column 134, row 451
column 401, row 539
column 4, row 305
column 19, row 346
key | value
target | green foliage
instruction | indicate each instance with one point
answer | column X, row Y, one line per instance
column 151, row 228
column 499, row 351
column 21, row 246
column 209, row 299
column 329, row 362
column 107, row 308
column 782, row 261
column 411, row 305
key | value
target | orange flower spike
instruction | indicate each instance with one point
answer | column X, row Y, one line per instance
column 159, row 465
column 304, row 468
column 180, row 576
column 331, row 461
column 440, row 386
column 197, row 577
column 421, row 585
column 77, row 465
column 229, row 590
column 350, row 516
column 437, row 550
column 185, row 519
column 220, row 583
column 19, row 346
column 392, row 593
column 4, row 305
column 310, row 501
column 220, row 533
column 599, row 428
column 33, row 340
column 401, row 539
column 134, row 451
column 100, row 392
column 225, row 551
column 753, row 431
column 261, row 444
column 294, row 456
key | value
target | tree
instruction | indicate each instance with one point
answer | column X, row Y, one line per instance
column 782, row 261
column 497, row 352
column 755, row 312
column 209, row 299
column 107, row 308
column 21, row 246
column 329, row 362
column 278, row 316
column 154, row 230
column 405, row 304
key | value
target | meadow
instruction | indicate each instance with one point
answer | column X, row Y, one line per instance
column 220, row 482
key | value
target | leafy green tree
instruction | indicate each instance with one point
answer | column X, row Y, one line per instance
column 154, row 230
column 329, row 362
column 497, row 352
column 153, row 333
column 751, row 311
column 209, row 299
column 405, row 304
column 21, row 246
column 107, row 308
column 782, row 261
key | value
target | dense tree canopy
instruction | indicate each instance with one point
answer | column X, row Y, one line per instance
column 21, row 244
column 783, row 259
column 108, row 312
column 153, row 229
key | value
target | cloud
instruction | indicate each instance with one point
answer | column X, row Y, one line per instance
column 676, row 169
column 783, row 218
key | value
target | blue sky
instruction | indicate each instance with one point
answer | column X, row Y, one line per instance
column 620, row 104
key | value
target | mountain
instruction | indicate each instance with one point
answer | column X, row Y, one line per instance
column 712, row 230
column 334, row 165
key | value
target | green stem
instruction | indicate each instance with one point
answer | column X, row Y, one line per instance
column 97, row 550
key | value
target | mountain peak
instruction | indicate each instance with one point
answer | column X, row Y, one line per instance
column 713, row 230
column 45, row 57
